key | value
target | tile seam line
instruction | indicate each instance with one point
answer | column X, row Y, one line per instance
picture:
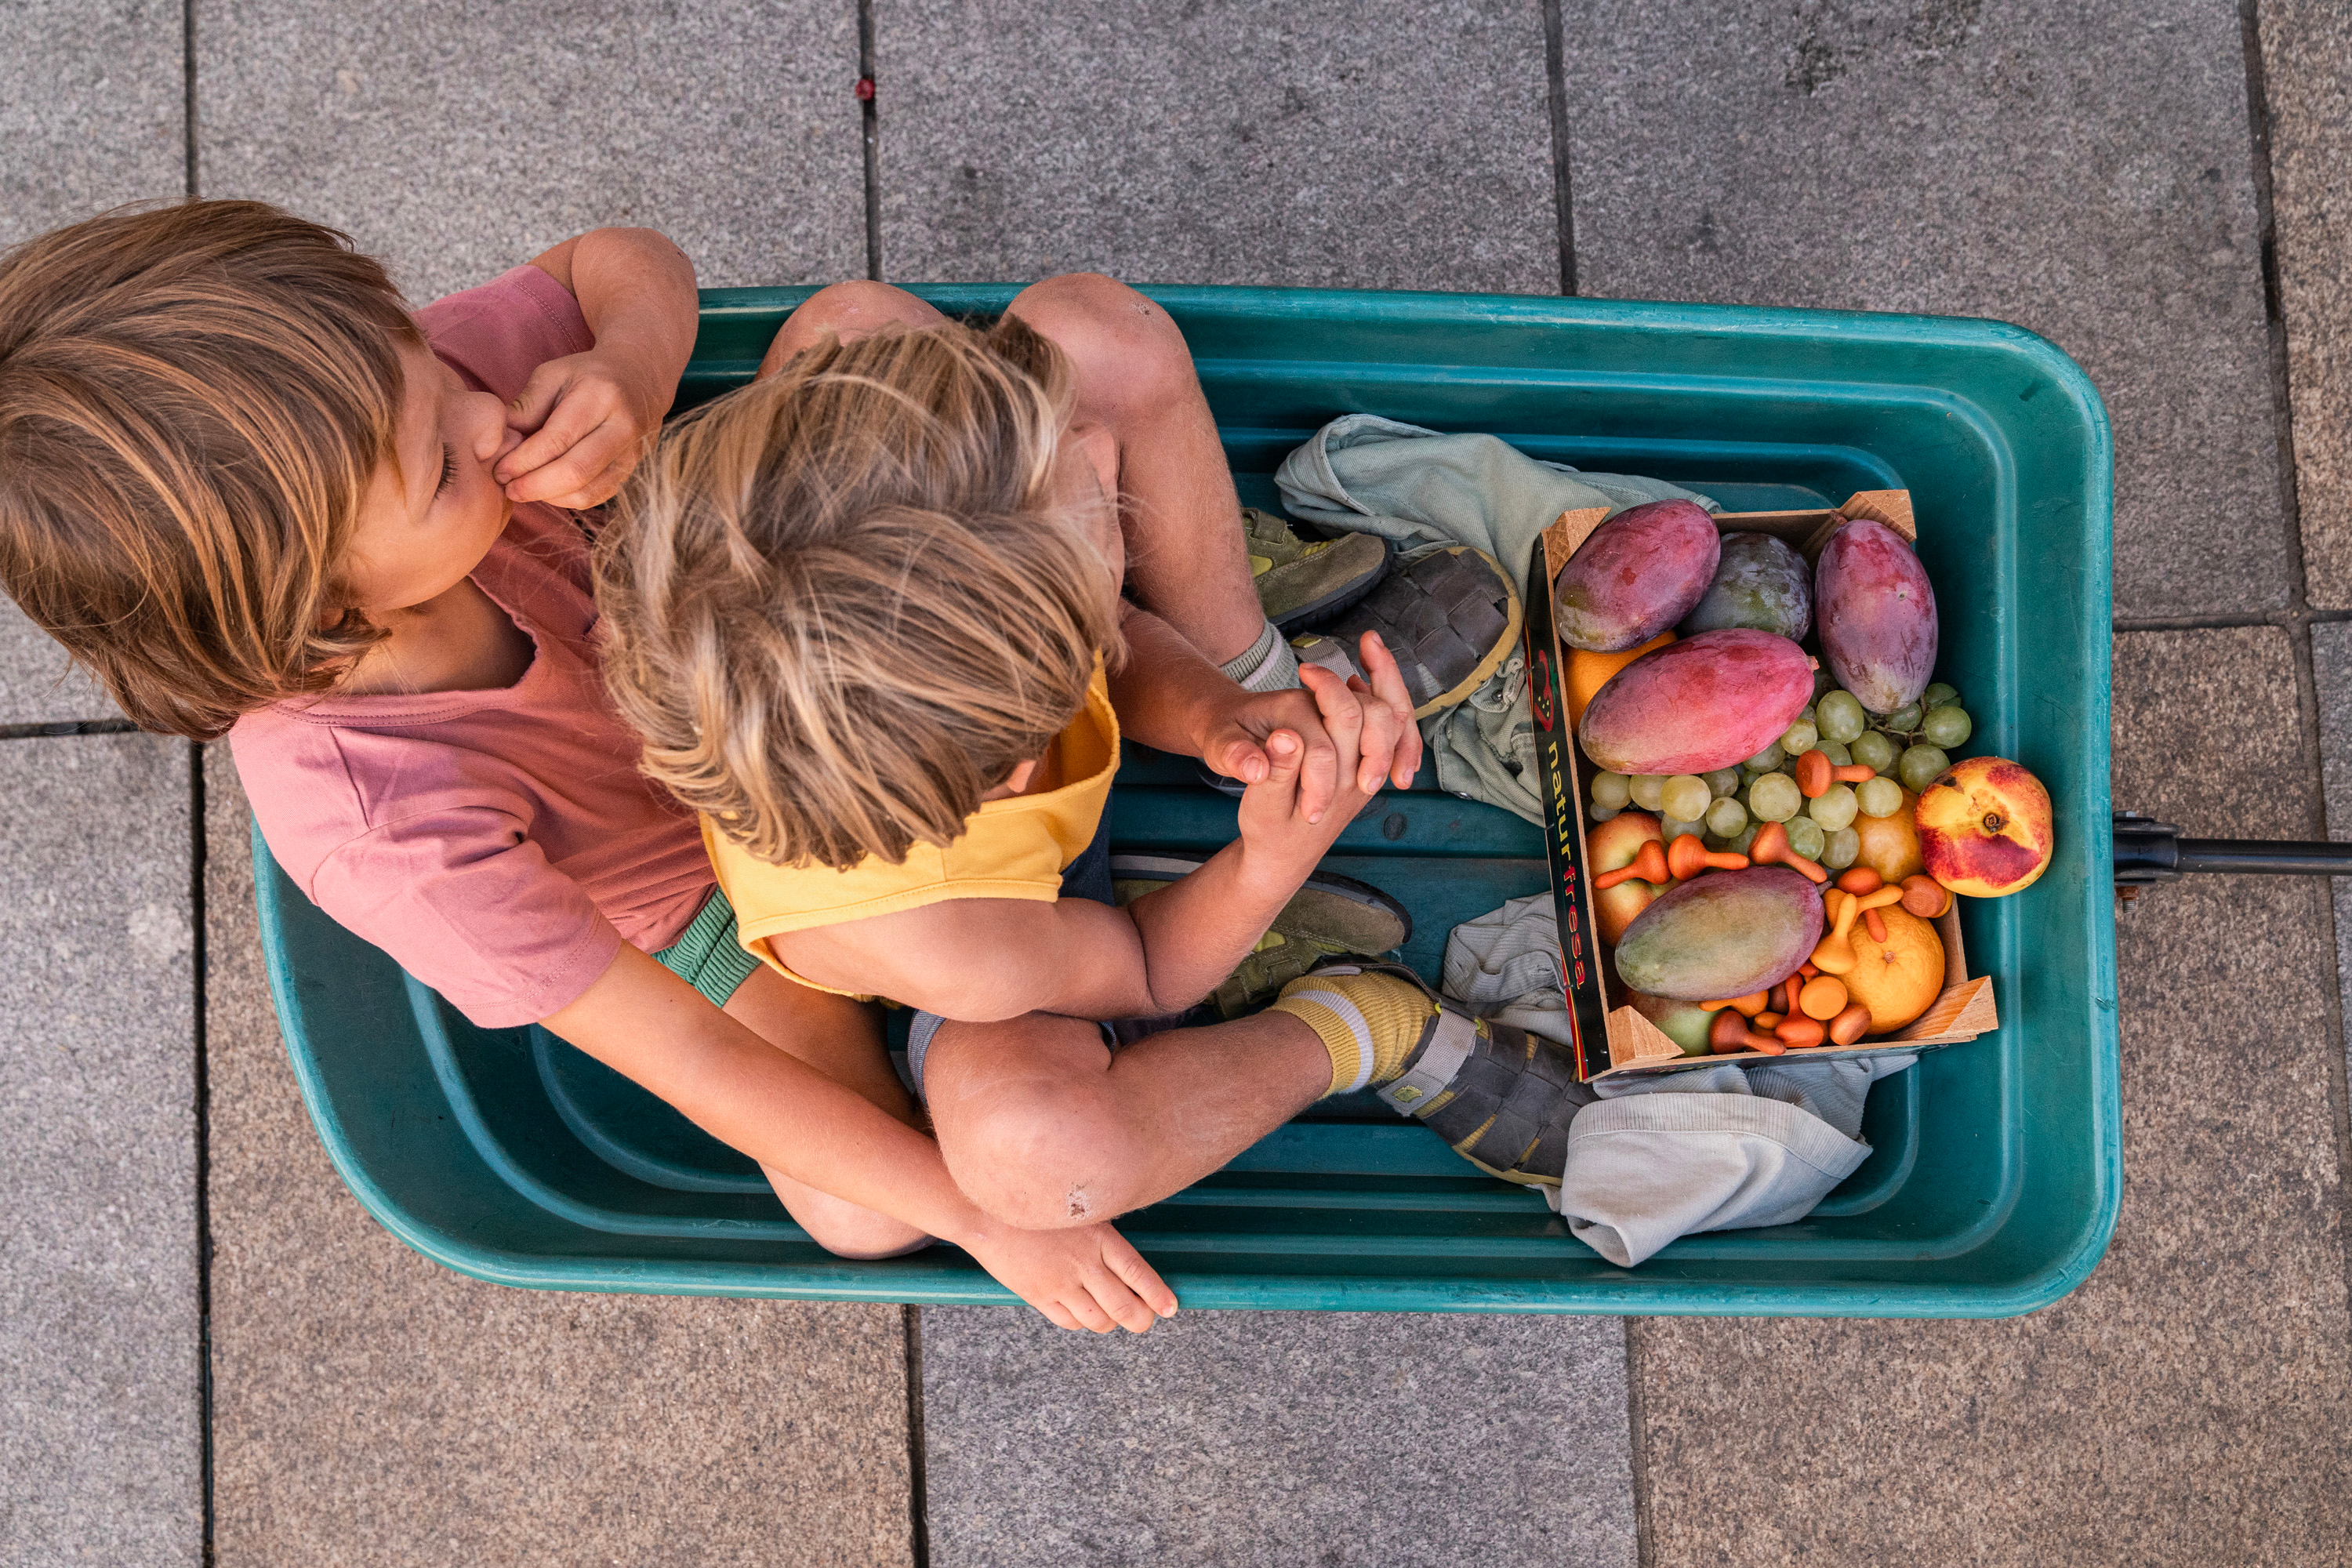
column 1556, row 111
column 919, row 1502
column 200, row 958
column 869, row 122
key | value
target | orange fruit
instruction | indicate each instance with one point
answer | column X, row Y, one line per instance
column 1588, row 672
column 1900, row 978
column 1890, row 845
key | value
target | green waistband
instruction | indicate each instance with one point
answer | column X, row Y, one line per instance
column 707, row 955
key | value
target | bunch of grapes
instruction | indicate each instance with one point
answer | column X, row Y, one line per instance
column 1905, row 750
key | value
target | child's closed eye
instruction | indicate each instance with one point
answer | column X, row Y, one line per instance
column 448, row 469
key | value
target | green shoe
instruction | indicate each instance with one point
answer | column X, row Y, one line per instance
column 1301, row 581
column 1329, row 916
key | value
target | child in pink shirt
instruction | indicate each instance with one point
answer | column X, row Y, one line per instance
column 259, row 498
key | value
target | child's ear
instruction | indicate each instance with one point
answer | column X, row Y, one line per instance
column 1016, row 781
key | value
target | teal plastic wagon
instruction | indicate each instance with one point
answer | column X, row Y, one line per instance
column 507, row 1155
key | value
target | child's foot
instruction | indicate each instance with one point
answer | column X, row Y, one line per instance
column 1501, row 1097
column 1447, row 612
column 1329, row 916
column 1301, row 582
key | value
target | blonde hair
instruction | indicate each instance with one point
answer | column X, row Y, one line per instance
column 192, row 399
column 841, row 603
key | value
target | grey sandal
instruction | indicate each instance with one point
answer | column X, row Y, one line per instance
column 1501, row 1097
column 1447, row 612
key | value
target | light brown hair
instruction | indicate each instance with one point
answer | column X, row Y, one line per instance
column 192, row 399
column 841, row 603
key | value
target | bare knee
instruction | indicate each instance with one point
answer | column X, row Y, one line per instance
column 1129, row 355
column 844, row 1229
column 851, row 309
column 1043, row 1158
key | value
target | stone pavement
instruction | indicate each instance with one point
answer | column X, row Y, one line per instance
column 2129, row 180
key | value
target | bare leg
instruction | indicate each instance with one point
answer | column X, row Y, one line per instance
column 1185, row 558
column 842, row 1039
column 1043, row 1126
column 847, row 311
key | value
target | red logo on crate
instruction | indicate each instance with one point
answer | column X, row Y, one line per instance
column 1539, row 689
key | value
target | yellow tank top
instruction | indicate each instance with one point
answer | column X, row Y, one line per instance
column 1011, row 848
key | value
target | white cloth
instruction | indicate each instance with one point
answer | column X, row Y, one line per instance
column 1667, row 1155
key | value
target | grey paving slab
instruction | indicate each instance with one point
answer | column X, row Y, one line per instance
column 1315, row 143
column 90, row 113
column 2191, row 1402
column 100, row 1443
column 2206, row 733
column 2085, row 171
column 457, row 140
column 1243, row 1438
column 2307, row 58
column 375, row 1410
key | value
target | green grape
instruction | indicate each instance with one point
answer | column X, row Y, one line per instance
column 1775, row 798
column 1833, row 809
column 1747, row 837
column 1725, row 818
column 1765, row 761
column 1685, row 798
column 1604, row 813
column 1843, row 848
column 1723, row 782
column 1799, row 738
column 1806, row 837
column 1674, row 827
column 1939, row 695
column 1840, row 716
column 1904, row 721
column 1879, row 797
column 1649, row 790
column 1614, row 791
column 1835, row 752
column 1947, row 727
column 1870, row 749
column 1920, row 766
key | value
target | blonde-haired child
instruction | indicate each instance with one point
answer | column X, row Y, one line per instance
column 866, row 612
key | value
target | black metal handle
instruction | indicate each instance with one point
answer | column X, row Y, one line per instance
column 2150, row 851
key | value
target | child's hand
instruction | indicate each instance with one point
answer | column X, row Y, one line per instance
column 1083, row 1278
column 1235, row 743
column 1365, row 724
column 585, row 419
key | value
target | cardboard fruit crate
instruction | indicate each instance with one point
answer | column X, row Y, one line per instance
column 1610, row 1038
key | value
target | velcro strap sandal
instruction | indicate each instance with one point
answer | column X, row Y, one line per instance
column 1501, row 1097
column 1448, row 613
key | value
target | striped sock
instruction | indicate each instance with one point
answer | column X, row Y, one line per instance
column 1266, row 665
column 1370, row 1023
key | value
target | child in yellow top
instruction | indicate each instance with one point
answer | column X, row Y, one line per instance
column 867, row 614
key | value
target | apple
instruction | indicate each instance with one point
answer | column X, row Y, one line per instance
column 1985, row 828
column 1612, row 844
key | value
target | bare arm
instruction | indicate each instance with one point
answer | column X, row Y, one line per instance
column 653, row 1027
column 983, row 960
column 586, row 416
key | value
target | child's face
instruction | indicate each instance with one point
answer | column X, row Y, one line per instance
column 427, row 521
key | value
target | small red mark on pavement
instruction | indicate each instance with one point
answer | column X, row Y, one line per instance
column 865, row 90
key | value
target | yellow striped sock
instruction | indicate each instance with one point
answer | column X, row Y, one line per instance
column 1370, row 1023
